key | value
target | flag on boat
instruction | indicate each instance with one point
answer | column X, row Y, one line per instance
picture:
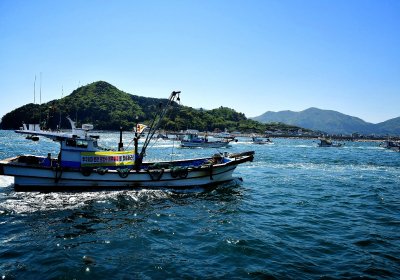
column 140, row 127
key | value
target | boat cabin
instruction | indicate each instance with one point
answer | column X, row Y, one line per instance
column 194, row 138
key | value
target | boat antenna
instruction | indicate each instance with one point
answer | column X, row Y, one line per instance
column 160, row 113
column 62, row 93
column 173, row 146
column 34, row 98
column 40, row 109
column 76, row 113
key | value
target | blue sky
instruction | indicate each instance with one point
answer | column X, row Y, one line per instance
column 252, row 56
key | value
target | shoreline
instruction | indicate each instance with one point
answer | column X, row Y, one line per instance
column 335, row 139
column 340, row 139
column 260, row 135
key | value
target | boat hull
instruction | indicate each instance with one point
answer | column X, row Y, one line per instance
column 395, row 147
column 263, row 143
column 204, row 144
column 331, row 145
column 29, row 176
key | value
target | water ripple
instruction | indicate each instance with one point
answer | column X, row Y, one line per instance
column 301, row 212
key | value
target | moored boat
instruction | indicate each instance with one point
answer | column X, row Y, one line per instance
column 328, row 143
column 395, row 146
column 226, row 137
column 192, row 140
column 82, row 162
column 261, row 141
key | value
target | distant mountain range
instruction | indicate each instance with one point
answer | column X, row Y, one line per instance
column 330, row 122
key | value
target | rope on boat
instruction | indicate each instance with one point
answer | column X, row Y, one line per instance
column 123, row 172
column 173, row 146
column 129, row 144
column 209, row 165
column 218, row 151
column 57, row 168
column 101, row 171
column 153, row 144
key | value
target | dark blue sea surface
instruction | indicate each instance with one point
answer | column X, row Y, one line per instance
column 301, row 212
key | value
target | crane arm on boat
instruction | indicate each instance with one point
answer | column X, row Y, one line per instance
column 160, row 113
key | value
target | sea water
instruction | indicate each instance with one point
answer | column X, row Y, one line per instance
column 299, row 212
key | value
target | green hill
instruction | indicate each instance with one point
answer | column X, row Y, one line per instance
column 108, row 108
column 391, row 126
column 330, row 121
column 98, row 103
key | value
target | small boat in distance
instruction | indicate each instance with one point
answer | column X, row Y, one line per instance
column 166, row 137
column 192, row 140
column 395, row 146
column 328, row 143
column 226, row 137
column 83, row 163
column 261, row 141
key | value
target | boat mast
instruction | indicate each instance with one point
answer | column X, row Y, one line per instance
column 120, row 144
column 161, row 115
column 62, row 94
column 153, row 127
column 34, row 98
column 136, row 140
column 76, row 118
column 40, row 109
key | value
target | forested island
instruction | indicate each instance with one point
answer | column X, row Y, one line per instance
column 109, row 108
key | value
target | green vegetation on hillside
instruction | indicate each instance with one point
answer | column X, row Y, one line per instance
column 108, row 108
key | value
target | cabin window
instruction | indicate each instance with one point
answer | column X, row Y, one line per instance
column 95, row 144
column 71, row 143
column 81, row 144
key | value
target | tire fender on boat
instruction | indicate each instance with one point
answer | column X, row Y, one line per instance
column 175, row 172
column 123, row 173
column 85, row 171
column 156, row 175
column 183, row 173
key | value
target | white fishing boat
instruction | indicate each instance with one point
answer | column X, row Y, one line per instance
column 328, row 143
column 226, row 137
column 261, row 141
column 192, row 140
column 82, row 162
column 395, row 146
column 167, row 137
